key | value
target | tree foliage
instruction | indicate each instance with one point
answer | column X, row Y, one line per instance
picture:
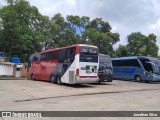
column 23, row 31
column 77, row 29
column 139, row 44
column 98, row 32
column 122, row 51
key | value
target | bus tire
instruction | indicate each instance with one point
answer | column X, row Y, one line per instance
column 98, row 82
column 52, row 79
column 58, row 80
column 138, row 78
column 148, row 81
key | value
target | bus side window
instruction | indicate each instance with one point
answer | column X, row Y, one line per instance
column 36, row 58
column 61, row 54
column 43, row 56
column 48, row 56
column 70, row 52
column 55, row 55
column 117, row 62
column 73, row 51
column 135, row 63
column 147, row 66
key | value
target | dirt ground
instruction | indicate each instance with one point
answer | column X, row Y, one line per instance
column 27, row 95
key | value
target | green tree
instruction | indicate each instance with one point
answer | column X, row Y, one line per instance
column 23, row 29
column 122, row 51
column 135, row 43
column 63, row 31
column 139, row 44
column 98, row 33
column 151, row 46
column 76, row 29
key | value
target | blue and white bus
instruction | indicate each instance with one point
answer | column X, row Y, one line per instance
column 139, row 68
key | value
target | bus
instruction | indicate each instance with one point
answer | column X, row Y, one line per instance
column 138, row 68
column 72, row 64
column 105, row 69
column 159, row 63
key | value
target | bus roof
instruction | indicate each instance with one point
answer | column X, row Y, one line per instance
column 104, row 55
column 59, row 48
column 133, row 57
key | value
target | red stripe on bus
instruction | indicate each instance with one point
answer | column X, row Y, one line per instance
column 88, row 76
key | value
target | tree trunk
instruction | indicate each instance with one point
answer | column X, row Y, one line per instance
column 10, row 50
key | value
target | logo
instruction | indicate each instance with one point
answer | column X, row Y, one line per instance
column 83, row 68
column 21, row 114
column 6, row 114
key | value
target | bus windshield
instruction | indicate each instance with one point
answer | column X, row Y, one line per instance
column 88, row 54
column 104, row 62
column 150, row 65
column 155, row 66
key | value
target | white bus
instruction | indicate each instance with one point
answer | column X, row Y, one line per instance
column 72, row 64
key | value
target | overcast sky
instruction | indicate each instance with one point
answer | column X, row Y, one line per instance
column 125, row 16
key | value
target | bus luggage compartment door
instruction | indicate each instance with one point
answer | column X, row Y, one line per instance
column 71, row 77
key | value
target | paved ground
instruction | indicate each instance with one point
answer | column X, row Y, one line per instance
column 27, row 95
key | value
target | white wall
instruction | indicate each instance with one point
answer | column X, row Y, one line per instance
column 6, row 70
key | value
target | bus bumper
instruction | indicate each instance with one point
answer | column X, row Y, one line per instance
column 85, row 80
column 156, row 77
column 105, row 78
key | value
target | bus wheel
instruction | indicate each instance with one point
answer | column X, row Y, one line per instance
column 138, row 78
column 59, row 80
column 148, row 81
column 98, row 82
